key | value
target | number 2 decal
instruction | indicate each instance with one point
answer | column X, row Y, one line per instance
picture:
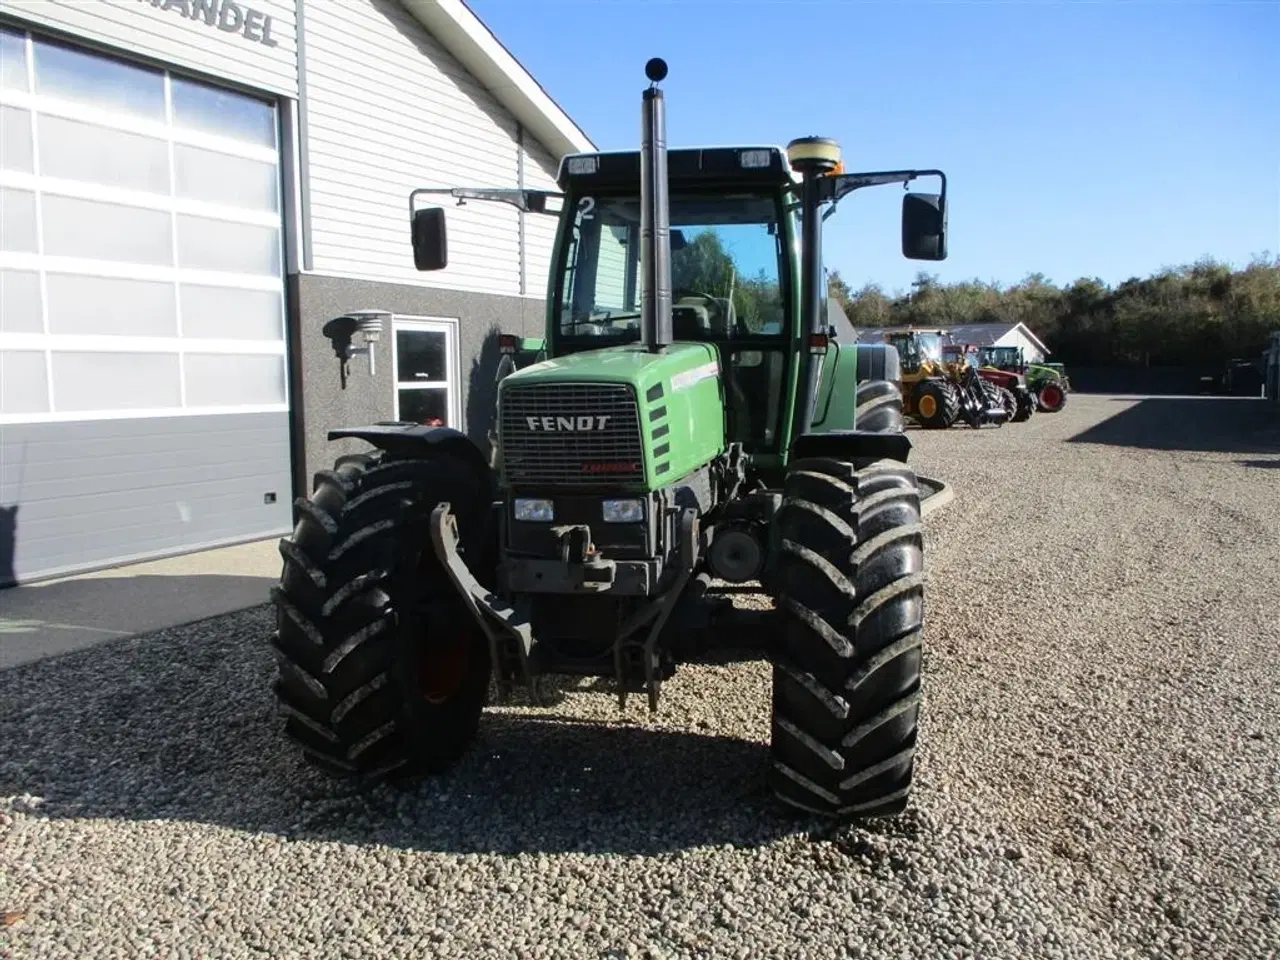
column 585, row 207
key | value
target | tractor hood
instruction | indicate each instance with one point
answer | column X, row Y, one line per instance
column 619, row 415
column 629, row 363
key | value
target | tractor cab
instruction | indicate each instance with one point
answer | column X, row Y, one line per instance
column 1003, row 358
column 734, row 262
column 921, row 351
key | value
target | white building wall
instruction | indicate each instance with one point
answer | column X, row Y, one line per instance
column 389, row 110
column 540, row 170
column 1018, row 338
column 253, row 42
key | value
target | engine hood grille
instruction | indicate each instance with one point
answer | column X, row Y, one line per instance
column 570, row 434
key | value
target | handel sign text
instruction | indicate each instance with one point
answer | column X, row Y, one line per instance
column 225, row 15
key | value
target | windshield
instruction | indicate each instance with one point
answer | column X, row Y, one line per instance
column 1001, row 356
column 725, row 264
column 918, row 346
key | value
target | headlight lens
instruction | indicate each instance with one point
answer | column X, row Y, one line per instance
column 535, row 511
column 623, row 511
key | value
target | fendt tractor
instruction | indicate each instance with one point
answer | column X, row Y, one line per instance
column 1047, row 381
column 672, row 440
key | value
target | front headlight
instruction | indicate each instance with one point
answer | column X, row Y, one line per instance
column 535, row 511
column 623, row 511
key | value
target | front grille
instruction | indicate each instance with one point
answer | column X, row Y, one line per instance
column 566, row 443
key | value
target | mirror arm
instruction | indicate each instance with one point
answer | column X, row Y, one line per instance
column 836, row 188
column 530, row 201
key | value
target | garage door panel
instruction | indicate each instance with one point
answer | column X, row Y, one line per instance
column 231, row 313
column 223, row 439
column 116, row 497
column 116, row 306
column 20, row 303
column 207, row 244
column 221, row 113
column 210, row 176
column 98, row 230
column 188, row 508
column 93, row 153
column 211, row 378
column 72, row 73
column 17, row 151
column 18, row 221
column 24, row 384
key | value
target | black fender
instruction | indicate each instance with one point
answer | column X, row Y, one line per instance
column 879, row 361
column 850, row 445
column 419, row 440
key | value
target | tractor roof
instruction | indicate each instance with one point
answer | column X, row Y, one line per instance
column 754, row 165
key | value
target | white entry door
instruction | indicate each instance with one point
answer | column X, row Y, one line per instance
column 425, row 354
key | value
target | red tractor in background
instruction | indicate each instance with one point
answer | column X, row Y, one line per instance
column 1014, row 392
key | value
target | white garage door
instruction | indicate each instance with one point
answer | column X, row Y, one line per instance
column 143, row 387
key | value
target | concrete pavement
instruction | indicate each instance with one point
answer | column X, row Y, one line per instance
column 59, row 616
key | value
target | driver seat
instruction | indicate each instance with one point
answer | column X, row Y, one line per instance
column 690, row 321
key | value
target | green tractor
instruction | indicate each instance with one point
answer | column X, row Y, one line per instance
column 1048, row 381
column 671, row 439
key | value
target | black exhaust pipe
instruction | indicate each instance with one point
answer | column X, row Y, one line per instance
column 655, row 215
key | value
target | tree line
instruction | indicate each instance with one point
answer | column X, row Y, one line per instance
column 1201, row 315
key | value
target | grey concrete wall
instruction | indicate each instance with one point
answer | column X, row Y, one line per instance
column 320, row 403
column 75, row 496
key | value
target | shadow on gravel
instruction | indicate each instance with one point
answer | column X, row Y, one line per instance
column 180, row 725
column 1260, row 464
column 1207, row 425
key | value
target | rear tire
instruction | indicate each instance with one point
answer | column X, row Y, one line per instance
column 847, row 671
column 878, row 407
column 382, row 671
column 936, row 404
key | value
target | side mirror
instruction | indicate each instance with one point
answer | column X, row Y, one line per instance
column 924, row 226
column 430, row 245
column 678, row 241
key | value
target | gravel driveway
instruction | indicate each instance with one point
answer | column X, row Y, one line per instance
column 1099, row 773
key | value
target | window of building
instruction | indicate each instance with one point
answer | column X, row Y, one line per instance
column 425, row 358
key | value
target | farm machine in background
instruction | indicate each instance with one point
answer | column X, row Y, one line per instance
column 939, row 389
column 671, row 438
column 1015, row 395
column 1048, row 381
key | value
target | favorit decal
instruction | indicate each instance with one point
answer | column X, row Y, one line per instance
column 224, row 15
column 687, row 379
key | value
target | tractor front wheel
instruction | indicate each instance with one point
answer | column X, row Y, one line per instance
column 936, row 404
column 846, row 675
column 381, row 668
column 1052, row 397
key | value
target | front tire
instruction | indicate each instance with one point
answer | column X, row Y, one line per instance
column 936, row 404
column 847, row 672
column 382, row 671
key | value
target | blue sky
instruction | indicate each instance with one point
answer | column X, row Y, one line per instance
column 1102, row 139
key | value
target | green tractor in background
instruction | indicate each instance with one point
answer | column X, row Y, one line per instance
column 670, row 439
column 1048, row 381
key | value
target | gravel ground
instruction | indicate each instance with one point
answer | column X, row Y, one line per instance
column 1098, row 776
